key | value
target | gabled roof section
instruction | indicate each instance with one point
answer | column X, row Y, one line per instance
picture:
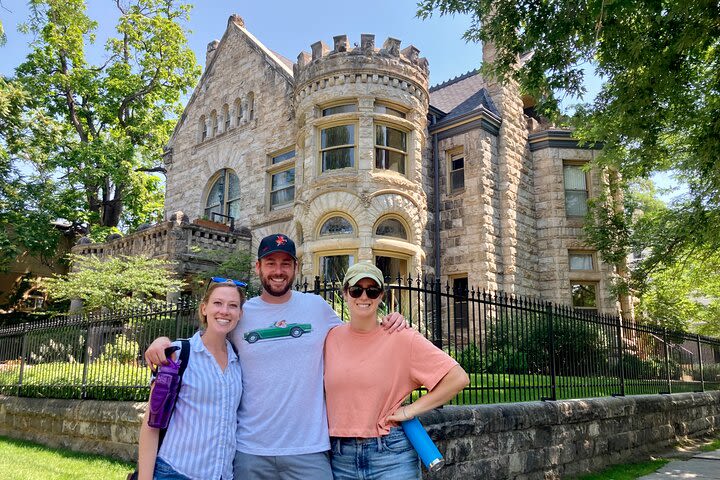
column 462, row 95
column 275, row 60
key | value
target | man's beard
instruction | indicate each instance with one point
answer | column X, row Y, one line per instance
column 264, row 280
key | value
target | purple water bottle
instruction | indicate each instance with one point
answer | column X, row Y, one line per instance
column 426, row 449
column 164, row 393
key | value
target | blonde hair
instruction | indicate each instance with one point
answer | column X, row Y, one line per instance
column 211, row 288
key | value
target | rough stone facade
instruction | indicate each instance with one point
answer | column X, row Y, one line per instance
column 349, row 151
column 521, row 441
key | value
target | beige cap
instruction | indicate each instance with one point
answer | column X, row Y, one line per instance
column 362, row 270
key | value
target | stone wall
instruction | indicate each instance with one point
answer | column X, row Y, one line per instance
column 532, row 440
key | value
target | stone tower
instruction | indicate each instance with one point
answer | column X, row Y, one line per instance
column 361, row 129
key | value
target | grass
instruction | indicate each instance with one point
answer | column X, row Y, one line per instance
column 712, row 446
column 628, row 471
column 21, row 460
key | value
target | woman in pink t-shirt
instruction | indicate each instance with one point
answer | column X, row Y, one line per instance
column 368, row 374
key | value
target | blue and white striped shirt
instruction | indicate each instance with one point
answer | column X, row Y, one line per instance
column 200, row 439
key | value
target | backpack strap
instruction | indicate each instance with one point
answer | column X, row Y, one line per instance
column 184, row 358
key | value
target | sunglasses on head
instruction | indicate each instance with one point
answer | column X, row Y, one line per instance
column 372, row 293
column 237, row 283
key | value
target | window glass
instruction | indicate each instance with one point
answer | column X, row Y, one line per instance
column 576, row 193
column 224, row 196
column 351, row 107
column 214, row 123
column 457, row 173
column 282, row 188
column 583, row 295
column 460, row 302
column 283, row 156
column 390, row 148
column 203, row 128
column 226, row 117
column 336, row 226
column 333, row 267
column 337, row 146
column 581, row 261
column 391, row 227
column 380, row 108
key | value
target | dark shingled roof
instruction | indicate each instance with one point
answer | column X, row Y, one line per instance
column 461, row 95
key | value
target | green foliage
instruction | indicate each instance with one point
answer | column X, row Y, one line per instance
column 658, row 109
column 85, row 130
column 122, row 281
column 236, row 265
column 22, row 460
column 123, row 350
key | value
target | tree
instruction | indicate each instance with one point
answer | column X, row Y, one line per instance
column 122, row 281
column 658, row 109
column 91, row 129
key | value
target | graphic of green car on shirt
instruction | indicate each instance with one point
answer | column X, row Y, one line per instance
column 277, row 330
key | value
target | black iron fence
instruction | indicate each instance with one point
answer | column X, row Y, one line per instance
column 514, row 348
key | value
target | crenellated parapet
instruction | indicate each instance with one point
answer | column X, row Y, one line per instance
column 346, row 64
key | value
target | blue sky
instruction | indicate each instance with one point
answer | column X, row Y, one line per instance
column 288, row 27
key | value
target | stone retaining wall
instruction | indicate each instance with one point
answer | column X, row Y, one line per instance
column 533, row 440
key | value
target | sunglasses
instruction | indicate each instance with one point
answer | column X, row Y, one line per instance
column 237, row 283
column 372, row 293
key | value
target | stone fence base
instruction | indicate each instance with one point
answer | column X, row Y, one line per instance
column 533, row 440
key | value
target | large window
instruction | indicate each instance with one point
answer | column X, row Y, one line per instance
column 576, row 191
column 224, row 196
column 457, row 172
column 584, row 296
column 282, row 180
column 391, row 227
column 336, row 226
column 390, row 148
column 337, row 147
column 333, row 267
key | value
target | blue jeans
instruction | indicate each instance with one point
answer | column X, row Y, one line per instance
column 391, row 457
column 163, row 471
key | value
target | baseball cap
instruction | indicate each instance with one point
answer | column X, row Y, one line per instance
column 276, row 243
column 362, row 270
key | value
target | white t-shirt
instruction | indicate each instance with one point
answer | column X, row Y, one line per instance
column 282, row 410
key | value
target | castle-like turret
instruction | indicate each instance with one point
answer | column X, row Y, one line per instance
column 361, row 115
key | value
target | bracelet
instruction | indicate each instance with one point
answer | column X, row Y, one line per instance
column 405, row 413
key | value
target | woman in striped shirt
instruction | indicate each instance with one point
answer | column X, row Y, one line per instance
column 200, row 439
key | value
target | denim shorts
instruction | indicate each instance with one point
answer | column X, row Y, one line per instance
column 163, row 471
column 391, row 457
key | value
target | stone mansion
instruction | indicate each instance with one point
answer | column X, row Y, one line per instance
column 352, row 154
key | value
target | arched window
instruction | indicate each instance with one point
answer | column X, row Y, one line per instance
column 238, row 112
column 202, row 127
column 391, row 227
column 226, row 117
column 251, row 105
column 214, row 123
column 336, row 226
column 224, row 195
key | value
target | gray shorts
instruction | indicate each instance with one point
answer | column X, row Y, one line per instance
column 315, row 466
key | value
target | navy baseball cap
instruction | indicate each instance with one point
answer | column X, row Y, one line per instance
column 276, row 243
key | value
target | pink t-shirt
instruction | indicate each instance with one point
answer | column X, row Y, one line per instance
column 369, row 374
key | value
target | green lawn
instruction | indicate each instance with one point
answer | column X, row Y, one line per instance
column 629, row 471
column 20, row 460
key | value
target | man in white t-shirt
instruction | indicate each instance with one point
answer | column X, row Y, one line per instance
column 282, row 423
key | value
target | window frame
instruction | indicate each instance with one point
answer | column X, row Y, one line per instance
column 226, row 117
column 225, row 202
column 595, row 286
column 203, row 128
column 459, row 321
column 578, row 253
column 397, row 218
column 451, row 156
column 276, row 168
column 377, row 147
column 579, row 165
column 324, row 219
column 396, row 110
column 214, row 124
column 351, row 253
column 352, row 146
